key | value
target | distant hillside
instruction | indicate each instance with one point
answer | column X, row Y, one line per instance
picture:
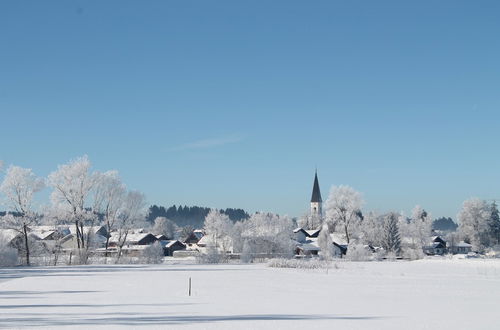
column 190, row 215
column 445, row 224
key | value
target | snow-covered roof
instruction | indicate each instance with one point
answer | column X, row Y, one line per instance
column 7, row 235
column 42, row 234
column 338, row 238
column 170, row 243
column 312, row 232
column 463, row 244
column 296, row 230
column 86, row 229
column 309, row 247
column 132, row 238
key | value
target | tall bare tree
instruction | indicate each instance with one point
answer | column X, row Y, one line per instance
column 19, row 186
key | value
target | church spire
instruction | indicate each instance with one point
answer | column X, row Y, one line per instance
column 316, row 201
column 316, row 194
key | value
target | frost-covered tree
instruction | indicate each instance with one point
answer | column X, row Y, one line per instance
column 416, row 232
column 164, row 226
column 391, row 241
column 153, row 254
column 269, row 233
column 372, row 228
column 218, row 227
column 474, row 223
column 109, row 194
column 19, row 186
column 310, row 221
column 325, row 243
column 494, row 224
column 72, row 184
column 343, row 210
column 131, row 215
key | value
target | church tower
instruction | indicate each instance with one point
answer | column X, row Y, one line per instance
column 316, row 201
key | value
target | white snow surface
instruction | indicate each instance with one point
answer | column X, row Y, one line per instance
column 425, row 294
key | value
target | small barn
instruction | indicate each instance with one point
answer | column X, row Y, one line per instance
column 134, row 239
column 461, row 248
column 169, row 247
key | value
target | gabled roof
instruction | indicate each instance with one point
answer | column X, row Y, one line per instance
column 132, row 238
column 312, row 233
column 316, row 194
column 169, row 244
column 338, row 238
column 296, row 230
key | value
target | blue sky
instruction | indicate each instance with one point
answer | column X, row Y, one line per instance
column 234, row 104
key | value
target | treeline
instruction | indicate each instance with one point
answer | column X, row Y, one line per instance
column 444, row 224
column 191, row 215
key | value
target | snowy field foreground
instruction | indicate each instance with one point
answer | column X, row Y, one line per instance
column 427, row 294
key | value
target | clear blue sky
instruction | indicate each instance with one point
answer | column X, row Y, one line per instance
column 234, row 103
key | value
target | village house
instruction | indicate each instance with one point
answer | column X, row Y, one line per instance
column 461, row 248
column 169, row 247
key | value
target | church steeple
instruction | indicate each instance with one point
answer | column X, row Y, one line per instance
column 316, row 201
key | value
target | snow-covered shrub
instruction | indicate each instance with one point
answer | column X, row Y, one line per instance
column 152, row 254
column 358, row 252
column 413, row 253
column 8, row 255
column 391, row 256
column 300, row 263
column 212, row 255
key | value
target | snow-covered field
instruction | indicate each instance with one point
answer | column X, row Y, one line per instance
column 427, row 294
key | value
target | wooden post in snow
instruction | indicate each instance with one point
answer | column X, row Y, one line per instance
column 190, row 286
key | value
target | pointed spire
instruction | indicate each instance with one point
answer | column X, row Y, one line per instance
column 316, row 194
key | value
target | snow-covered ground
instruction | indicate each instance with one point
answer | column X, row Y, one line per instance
column 426, row 294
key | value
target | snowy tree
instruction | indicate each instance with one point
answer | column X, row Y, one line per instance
column 391, row 242
column 109, row 194
column 218, row 226
column 269, row 233
column 416, row 232
column 325, row 243
column 153, row 254
column 19, row 186
column 494, row 224
column 474, row 223
column 343, row 210
column 372, row 229
column 131, row 215
column 310, row 222
column 72, row 184
column 164, row 226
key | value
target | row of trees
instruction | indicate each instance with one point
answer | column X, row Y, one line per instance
column 193, row 216
column 79, row 197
